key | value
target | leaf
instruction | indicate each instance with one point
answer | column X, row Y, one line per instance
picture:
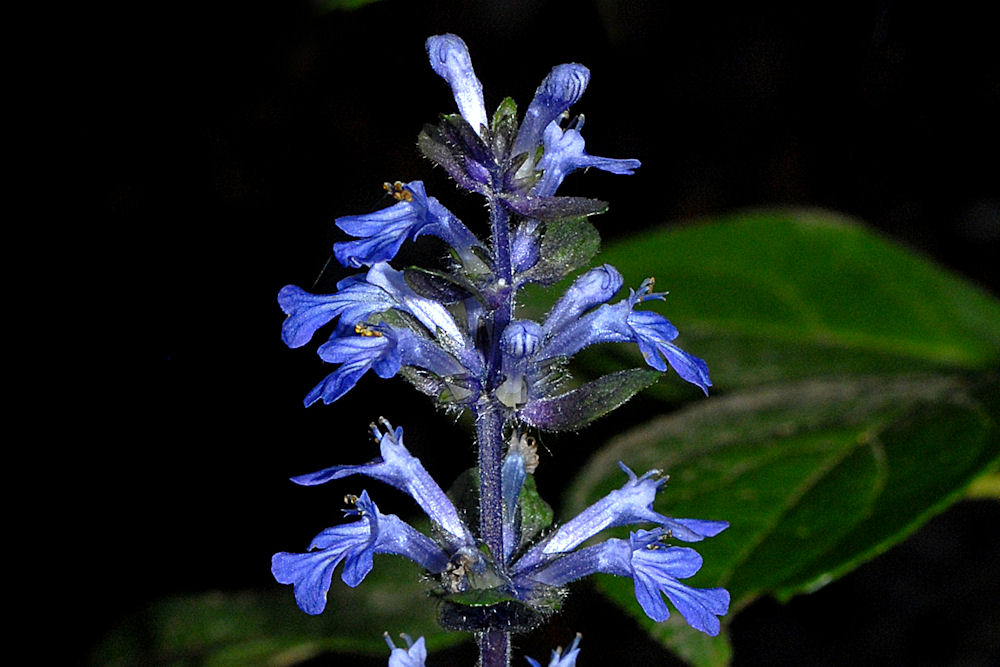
column 554, row 208
column 503, row 128
column 265, row 627
column 566, row 246
column 787, row 294
column 814, row 477
column 578, row 407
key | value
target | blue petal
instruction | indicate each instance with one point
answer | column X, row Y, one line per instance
column 382, row 233
column 692, row 530
column 311, row 574
column 688, row 366
column 338, row 383
column 354, row 301
column 658, row 570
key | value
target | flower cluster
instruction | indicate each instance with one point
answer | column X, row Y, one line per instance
column 525, row 575
column 454, row 333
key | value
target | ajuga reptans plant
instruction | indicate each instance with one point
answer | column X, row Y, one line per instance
column 499, row 563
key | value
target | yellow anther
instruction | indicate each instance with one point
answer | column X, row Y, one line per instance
column 363, row 329
column 350, row 499
column 398, row 191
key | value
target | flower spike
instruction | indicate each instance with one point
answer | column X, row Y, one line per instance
column 455, row 332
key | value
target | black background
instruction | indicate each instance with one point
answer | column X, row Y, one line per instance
column 214, row 143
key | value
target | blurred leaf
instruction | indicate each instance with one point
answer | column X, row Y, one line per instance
column 986, row 486
column 814, row 478
column 266, row 628
column 776, row 295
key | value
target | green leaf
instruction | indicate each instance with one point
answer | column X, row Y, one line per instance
column 814, row 477
column 504, row 126
column 266, row 628
column 774, row 295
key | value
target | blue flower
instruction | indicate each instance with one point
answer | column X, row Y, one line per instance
column 380, row 348
column 560, row 90
column 383, row 232
column 655, row 569
column 564, row 153
column 400, row 469
column 440, row 346
column 355, row 543
column 355, row 301
column 620, row 323
column 629, row 505
column 594, row 287
column 413, row 655
column 382, row 288
column 560, row 659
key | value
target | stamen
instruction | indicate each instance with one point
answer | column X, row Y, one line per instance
column 350, row 499
column 363, row 329
column 398, row 192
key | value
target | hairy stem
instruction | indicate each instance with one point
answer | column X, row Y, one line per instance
column 494, row 645
column 494, row 648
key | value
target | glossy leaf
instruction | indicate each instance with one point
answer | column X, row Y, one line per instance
column 814, row 477
column 773, row 295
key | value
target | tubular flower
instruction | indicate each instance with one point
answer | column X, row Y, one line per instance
column 620, row 323
column 382, row 233
column 564, row 154
column 400, row 469
column 629, row 505
column 310, row 573
column 655, row 569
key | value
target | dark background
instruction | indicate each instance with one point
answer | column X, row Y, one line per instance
column 213, row 144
